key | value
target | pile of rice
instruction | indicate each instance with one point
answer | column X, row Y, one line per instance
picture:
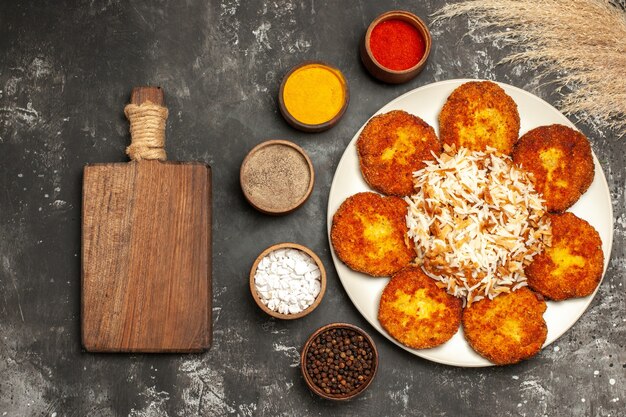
column 476, row 221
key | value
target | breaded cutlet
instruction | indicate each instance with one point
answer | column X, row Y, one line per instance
column 416, row 312
column 561, row 162
column 477, row 115
column 572, row 266
column 369, row 234
column 507, row 329
column 391, row 147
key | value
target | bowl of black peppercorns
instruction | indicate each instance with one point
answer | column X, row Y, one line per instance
column 339, row 361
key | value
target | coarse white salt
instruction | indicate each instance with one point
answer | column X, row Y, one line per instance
column 287, row 281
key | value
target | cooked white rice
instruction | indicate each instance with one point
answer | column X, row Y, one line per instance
column 476, row 221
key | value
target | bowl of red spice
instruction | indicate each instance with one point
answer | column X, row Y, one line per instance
column 339, row 361
column 396, row 46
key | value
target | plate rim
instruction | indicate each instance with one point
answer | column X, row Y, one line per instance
column 423, row 353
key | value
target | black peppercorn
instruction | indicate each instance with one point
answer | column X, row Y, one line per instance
column 343, row 364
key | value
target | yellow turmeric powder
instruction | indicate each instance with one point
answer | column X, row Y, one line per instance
column 314, row 94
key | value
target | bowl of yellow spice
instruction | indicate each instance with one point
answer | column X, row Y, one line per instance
column 313, row 96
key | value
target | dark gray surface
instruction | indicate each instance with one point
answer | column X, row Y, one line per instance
column 66, row 70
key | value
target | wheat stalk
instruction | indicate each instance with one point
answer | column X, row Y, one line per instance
column 582, row 41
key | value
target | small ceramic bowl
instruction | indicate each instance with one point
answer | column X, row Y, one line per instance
column 318, row 299
column 264, row 199
column 309, row 381
column 383, row 73
column 312, row 128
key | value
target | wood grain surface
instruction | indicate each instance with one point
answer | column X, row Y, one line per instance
column 146, row 257
column 146, row 254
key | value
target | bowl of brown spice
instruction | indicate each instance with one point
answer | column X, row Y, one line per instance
column 277, row 177
column 339, row 361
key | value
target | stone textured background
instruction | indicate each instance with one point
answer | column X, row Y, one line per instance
column 66, row 70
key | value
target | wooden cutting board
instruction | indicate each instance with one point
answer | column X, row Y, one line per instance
column 146, row 253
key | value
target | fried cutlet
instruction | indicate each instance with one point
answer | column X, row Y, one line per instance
column 561, row 161
column 508, row 328
column 572, row 266
column 416, row 312
column 369, row 234
column 477, row 115
column 391, row 147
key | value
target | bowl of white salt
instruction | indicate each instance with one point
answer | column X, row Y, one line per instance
column 287, row 281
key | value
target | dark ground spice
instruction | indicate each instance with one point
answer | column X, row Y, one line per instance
column 339, row 361
column 275, row 177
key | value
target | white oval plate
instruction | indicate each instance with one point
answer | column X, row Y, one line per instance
column 426, row 102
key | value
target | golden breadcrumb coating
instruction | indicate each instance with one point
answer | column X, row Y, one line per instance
column 369, row 234
column 508, row 328
column 416, row 312
column 477, row 115
column 391, row 147
column 572, row 266
column 561, row 162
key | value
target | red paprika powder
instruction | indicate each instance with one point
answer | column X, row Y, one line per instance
column 396, row 44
